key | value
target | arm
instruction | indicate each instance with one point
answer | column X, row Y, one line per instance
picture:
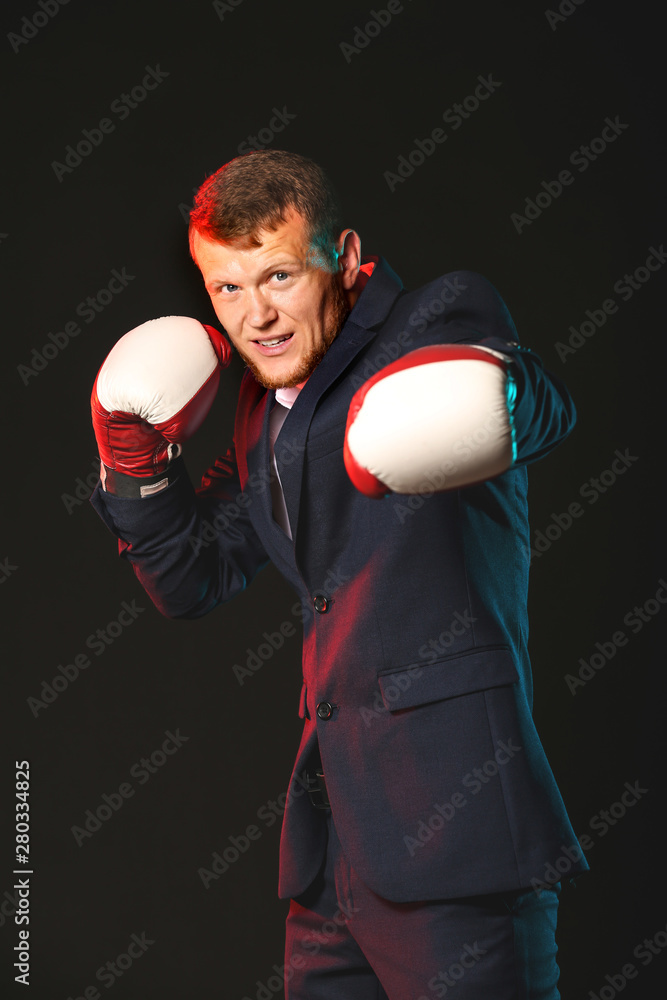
column 543, row 413
column 191, row 550
column 467, row 408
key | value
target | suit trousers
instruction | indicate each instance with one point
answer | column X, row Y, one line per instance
column 343, row 940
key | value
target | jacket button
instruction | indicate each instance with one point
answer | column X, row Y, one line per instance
column 324, row 710
column 321, row 604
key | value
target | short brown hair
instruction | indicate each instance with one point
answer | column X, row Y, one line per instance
column 254, row 191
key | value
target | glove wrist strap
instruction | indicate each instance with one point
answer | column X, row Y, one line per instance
column 119, row 484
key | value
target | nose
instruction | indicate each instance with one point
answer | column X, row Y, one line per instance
column 260, row 311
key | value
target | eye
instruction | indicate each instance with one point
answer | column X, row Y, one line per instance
column 283, row 273
column 227, row 288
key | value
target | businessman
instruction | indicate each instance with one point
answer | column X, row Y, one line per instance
column 379, row 461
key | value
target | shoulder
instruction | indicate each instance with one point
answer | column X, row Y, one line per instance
column 459, row 285
column 452, row 306
column 454, row 288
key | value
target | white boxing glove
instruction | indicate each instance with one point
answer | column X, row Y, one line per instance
column 437, row 419
column 152, row 393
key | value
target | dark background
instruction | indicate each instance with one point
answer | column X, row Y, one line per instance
column 123, row 206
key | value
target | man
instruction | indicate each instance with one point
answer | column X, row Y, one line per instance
column 379, row 457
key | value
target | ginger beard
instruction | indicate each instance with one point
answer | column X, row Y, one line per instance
column 338, row 313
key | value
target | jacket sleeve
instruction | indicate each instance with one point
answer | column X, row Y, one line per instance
column 543, row 413
column 190, row 549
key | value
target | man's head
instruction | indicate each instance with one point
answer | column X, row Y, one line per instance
column 265, row 233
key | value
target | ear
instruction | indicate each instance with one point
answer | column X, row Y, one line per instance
column 348, row 250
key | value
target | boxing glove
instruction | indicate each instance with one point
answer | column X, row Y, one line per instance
column 437, row 419
column 152, row 393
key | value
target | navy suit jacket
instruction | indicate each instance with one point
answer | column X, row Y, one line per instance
column 417, row 688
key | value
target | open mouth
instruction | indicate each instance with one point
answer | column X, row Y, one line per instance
column 275, row 345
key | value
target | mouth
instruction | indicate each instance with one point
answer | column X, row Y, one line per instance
column 274, row 345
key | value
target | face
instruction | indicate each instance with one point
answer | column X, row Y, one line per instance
column 280, row 312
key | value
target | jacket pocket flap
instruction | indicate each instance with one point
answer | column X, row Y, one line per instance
column 476, row 670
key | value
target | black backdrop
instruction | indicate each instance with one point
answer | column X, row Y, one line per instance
column 356, row 100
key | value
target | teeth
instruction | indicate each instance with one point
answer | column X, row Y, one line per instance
column 272, row 343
